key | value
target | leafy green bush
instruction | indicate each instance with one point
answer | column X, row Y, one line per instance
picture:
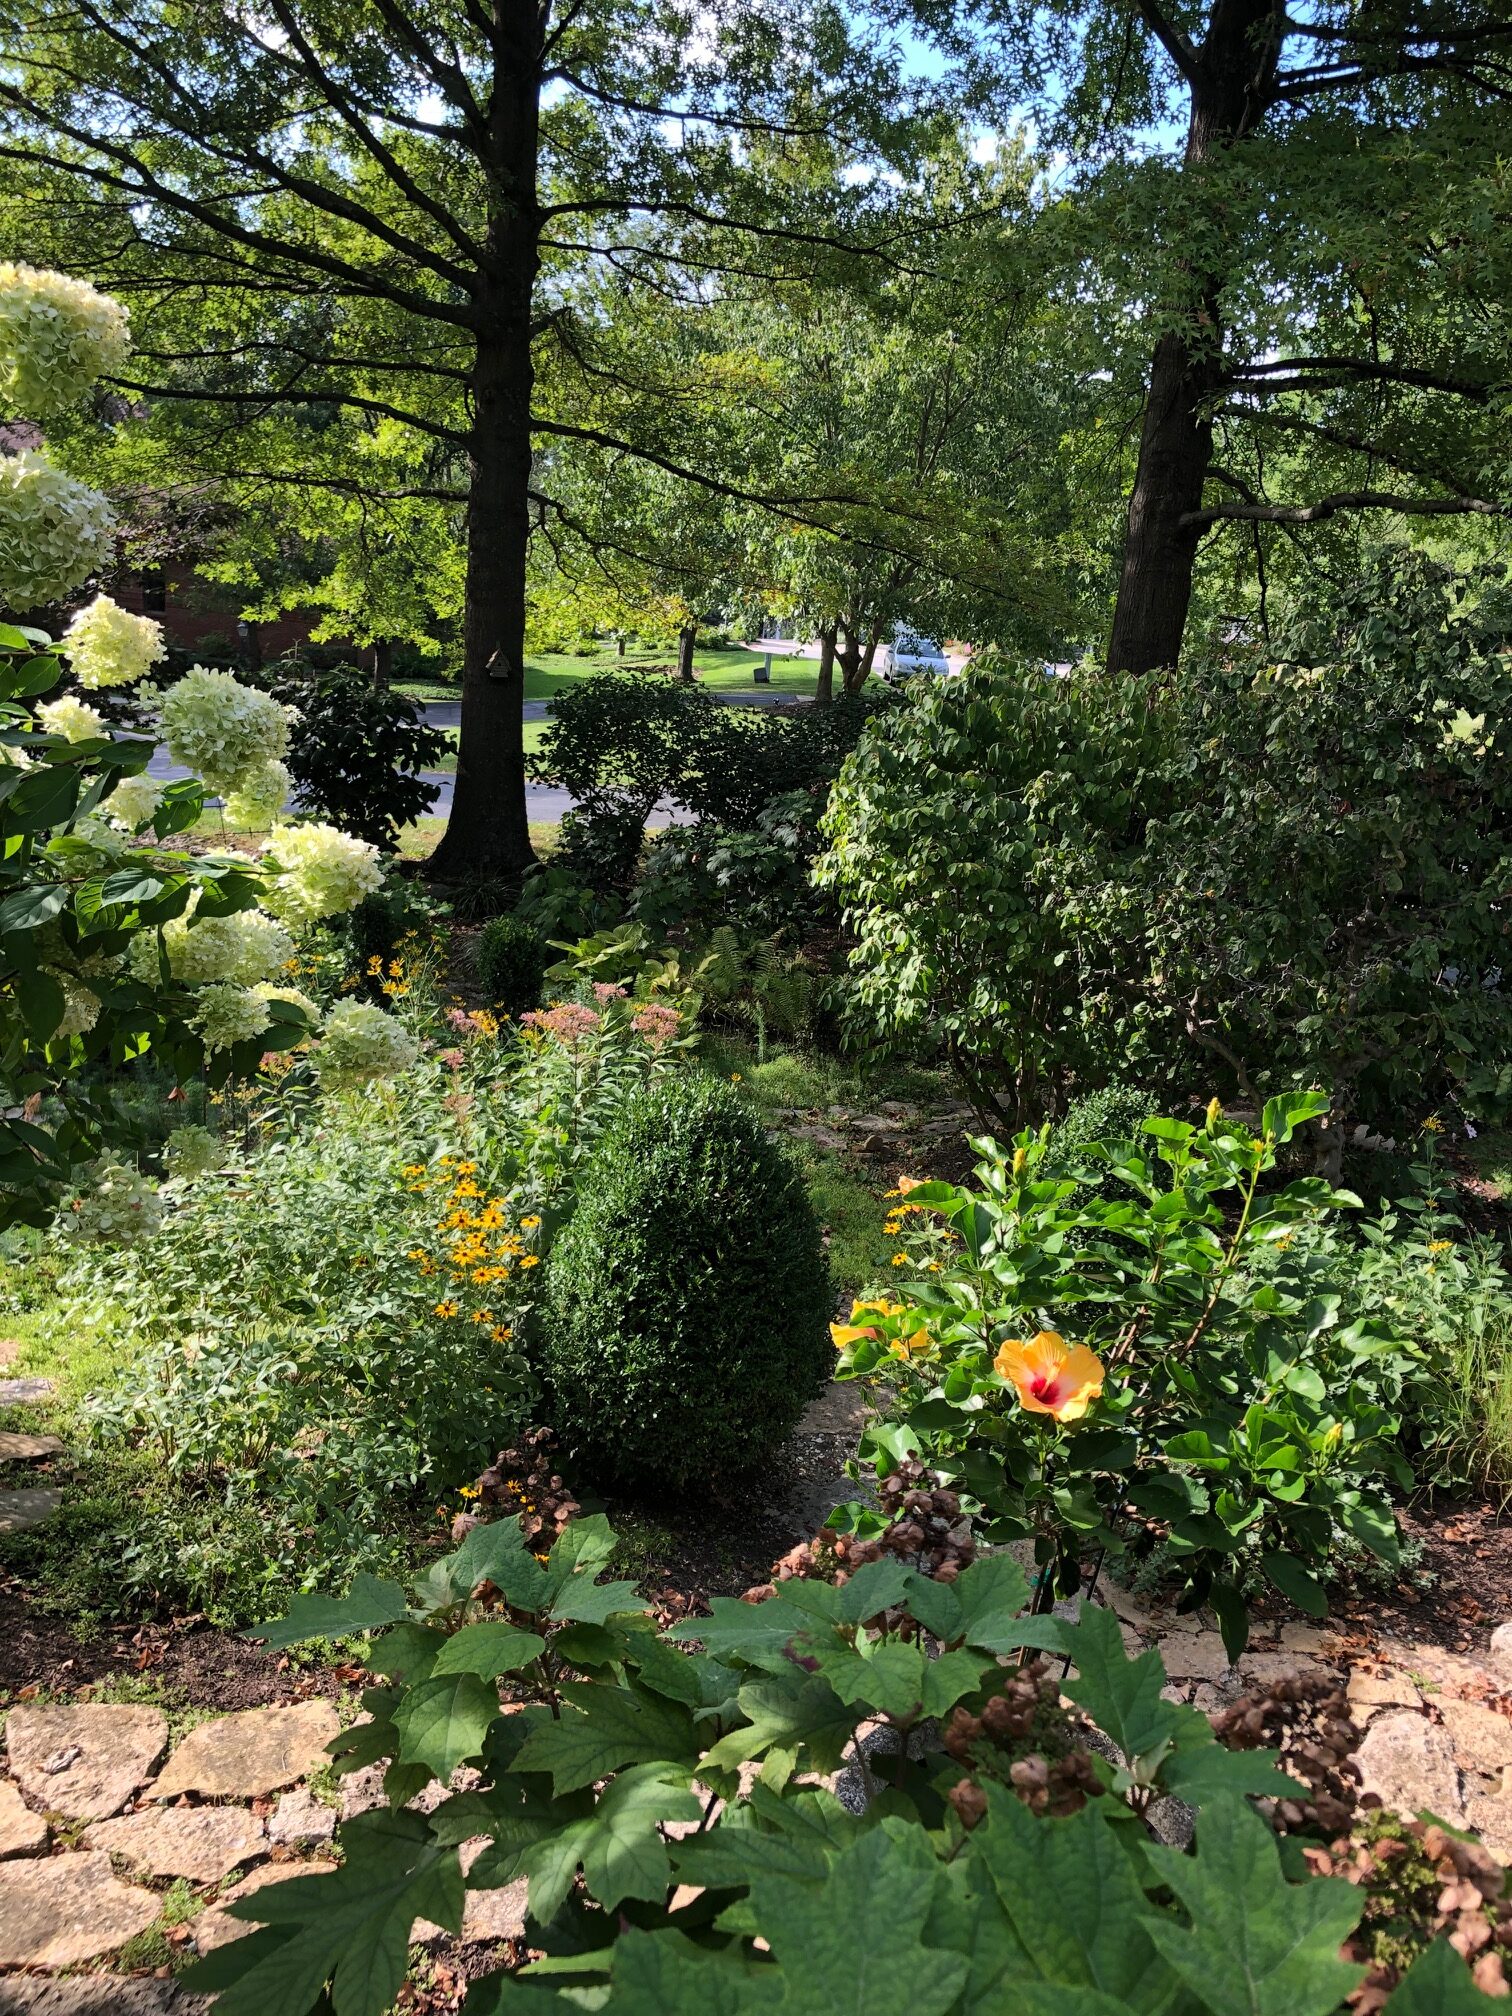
column 354, row 1362
column 753, row 881
column 355, row 751
column 1009, row 1869
column 1278, row 869
column 683, row 1328
column 623, row 742
column 1151, row 1367
column 401, row 918
column 1416, row 1266
column 511, row 961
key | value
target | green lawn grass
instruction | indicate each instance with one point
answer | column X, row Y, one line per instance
column 534, row 730
column 724, row 671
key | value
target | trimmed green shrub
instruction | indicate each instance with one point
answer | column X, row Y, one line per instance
column 684, row 1321
column 511, row 962
column 1116, row 1113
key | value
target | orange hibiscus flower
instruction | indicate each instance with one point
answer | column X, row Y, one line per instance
column 1051, row 1376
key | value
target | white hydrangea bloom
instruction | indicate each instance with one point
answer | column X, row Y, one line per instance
column 266, row 991
column 72, row 718
column 259, row 798
column 225, row 1015
column 222, row 730
column 362, row 1042
column 81, row 1005
column 106, row 842
column 134, row 801
column 108, row 646
column 118, row 1208
column 192, row 1151
column 320, row 872
column 54, row 532
column 246, row 947
column 57, row 336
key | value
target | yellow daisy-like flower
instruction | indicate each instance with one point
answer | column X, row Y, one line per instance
column 446, row 1309
column 531, row 1260
column 530, row 1224
column 900, row 1259
column 1051, row 1376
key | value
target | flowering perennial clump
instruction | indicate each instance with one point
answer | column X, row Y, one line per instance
column 54, row 532
column 260, row 796
column 245, row 947
column 108, row 646
column 320, row 871
column 81, row 1005
column 223, row 730
column 361, row 1042
column 266, row 991
column 478, row 1246
column 657, row 1023
column 57, row 336
column 568, row 1023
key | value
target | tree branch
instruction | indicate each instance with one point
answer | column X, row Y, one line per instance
column 1348, row 500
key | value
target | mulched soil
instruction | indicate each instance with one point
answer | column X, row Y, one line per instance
column 210, row 1668
column 1463, row 1588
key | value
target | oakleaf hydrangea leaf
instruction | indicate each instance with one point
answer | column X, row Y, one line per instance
column 1438, row 1983
column 1257, row 1945
column 851, row 1946
column 368, row 1605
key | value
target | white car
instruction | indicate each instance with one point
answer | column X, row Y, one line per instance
column 909, row 653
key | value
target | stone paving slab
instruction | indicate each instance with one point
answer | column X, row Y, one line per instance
column 83, row 1762
column 216, row 1927
column 24, row 1392
column 27, row 1448
column 203, row 1843
column 66, row 1908
column 22, row 1832
column 301, row 1817
column 254, row 1751
column 95, row 1995
column 28, row 1507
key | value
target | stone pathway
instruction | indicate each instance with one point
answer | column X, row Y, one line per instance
column 100, row 1815
column 1437, row 1726
column 28, row 1504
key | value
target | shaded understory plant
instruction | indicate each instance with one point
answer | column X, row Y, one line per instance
column 668, row 1799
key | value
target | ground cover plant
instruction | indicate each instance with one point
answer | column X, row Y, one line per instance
column 1009, row 1860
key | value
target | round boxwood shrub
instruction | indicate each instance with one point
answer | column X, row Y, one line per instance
column 511, row 962
column 683, row 1328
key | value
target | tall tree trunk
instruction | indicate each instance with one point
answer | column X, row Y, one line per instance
column 1231, row 81
column 824, row 686
column 859, row 670
column 383, row 664
column 487, row 832
column 686, row 638
column 847, row 656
